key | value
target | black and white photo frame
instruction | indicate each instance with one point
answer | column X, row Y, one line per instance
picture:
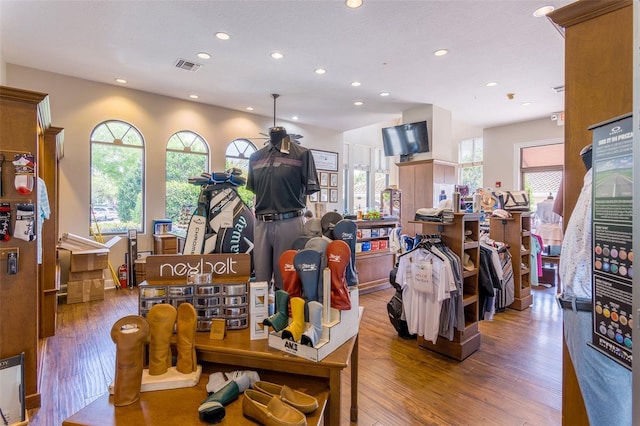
column 333, row 180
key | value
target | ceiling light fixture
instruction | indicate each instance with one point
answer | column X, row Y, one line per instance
column 384, row 94
column 491, row 84
column 203, row 55
column 193, row 96
column 440, row 52
column 353, row 4
column 121, row 81
column 543, row 11
column 249, row 108
column 222, row 36
column 277, row 55
column 356, row 84
column 320, row 71
column 358, row 103
column 295, row 117
column 526, row 103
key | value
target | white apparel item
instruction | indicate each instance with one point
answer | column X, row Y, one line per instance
column 575, row 262
column 422, row 310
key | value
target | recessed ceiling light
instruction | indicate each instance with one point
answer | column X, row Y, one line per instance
column 193, row 96
column 384, row 94
column 295, row 117
column 353, row 4
column 277, row 55
column 203, row 55
column 526, row 103
column 491, row 84
column 358, row 103
column 249, row 108
column 121, row 81
column 440, row 52
column 543, row 11
column 356, row 84
column 222, row 36
column 320, row 71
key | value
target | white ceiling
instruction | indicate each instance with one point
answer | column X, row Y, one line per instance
column 387, row 45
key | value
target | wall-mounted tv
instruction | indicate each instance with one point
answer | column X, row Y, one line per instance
column 405, row 139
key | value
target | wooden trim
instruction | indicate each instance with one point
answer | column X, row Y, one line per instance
column 585, row 10
column 22, row 95
column 429, row 161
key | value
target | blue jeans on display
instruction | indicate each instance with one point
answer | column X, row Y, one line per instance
column 606, row 385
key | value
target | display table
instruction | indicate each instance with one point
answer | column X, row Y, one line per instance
column 238, row 350
column 180, row 407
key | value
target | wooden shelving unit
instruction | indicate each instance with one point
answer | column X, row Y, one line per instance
column 516, row 233
column 467, row 341
column 373, row 266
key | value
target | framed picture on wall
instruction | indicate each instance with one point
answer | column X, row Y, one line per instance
column 324, row 179
column 333, row 196
column 324, row 195
column 313, row 197
column 325, row 160
column 333, row 180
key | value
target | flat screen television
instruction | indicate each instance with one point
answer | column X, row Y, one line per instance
column 405, row 139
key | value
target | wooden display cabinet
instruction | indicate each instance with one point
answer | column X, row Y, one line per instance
column 467, row 341
column 165, row 244
column 374, row 265
column 516, row 233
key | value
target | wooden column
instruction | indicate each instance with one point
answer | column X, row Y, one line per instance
column 598, row 86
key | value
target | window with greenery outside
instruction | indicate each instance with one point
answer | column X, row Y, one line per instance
column 470, row 156
column 117, row 178
column 187, row 156
column 237, row 155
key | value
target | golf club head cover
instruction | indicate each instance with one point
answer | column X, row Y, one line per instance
column 186, row 321
column 294, row 330
column 346, row 231
column 319, row 244
column 329, row 221
column 129, row 334
column 290, row 279
column 162, row 319
column 313, row 228
column 280, row 318
column 307, row 263
column 312, row 335
column 300, row 242
column 223, row 392
column 338, row 257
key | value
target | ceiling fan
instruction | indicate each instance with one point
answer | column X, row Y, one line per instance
column 294, row 137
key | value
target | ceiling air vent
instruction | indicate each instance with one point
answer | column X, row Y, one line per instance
column 187, row 65
column 558, row 89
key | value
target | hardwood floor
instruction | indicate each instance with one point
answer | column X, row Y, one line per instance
column 514, row 378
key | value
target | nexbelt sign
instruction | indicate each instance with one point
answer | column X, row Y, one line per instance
column 172, row 268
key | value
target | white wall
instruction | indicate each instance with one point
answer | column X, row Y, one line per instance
column 79, row 105
column 502, row 143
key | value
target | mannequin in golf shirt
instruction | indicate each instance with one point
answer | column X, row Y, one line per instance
column 281, row 174
column 606, row 386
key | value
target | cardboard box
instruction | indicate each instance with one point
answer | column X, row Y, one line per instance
column 85, row 291
column 342, row 326
column 86, row 275
column 94, row 260
column 383, row 244
column 375, row 245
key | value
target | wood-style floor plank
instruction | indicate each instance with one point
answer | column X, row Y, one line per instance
column 514, row 378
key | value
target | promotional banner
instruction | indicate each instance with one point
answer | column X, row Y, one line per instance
column 612, row 238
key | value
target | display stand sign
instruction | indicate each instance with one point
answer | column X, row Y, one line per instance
column 12, row 409
column 612, row 238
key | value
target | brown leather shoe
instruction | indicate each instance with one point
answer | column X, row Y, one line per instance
column 301, row 401
column 270, row 410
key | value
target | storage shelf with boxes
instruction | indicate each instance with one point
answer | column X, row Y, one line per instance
column 87, row 261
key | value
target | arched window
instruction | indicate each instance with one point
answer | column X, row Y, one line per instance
column 117, row 178
column 237, row 155
column 187, row 156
